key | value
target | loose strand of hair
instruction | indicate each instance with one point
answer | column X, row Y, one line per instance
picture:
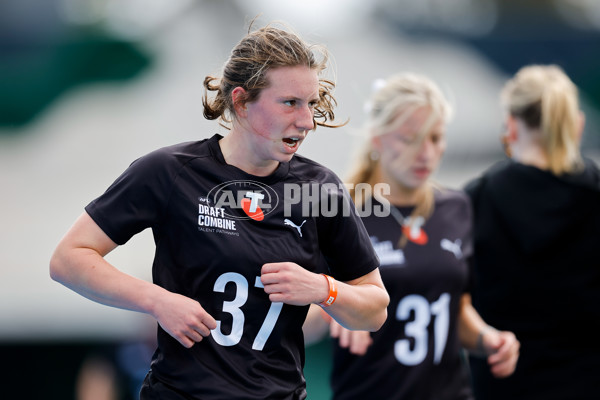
column 364, row 172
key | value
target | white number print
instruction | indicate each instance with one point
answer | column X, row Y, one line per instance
column 417, row 328
column 233, row 307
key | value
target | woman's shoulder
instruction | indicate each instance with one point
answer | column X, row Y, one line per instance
column 305, row 169
column 493, row 173
column 165, row 163
column 589, row 176
column 184, row 150
column 177, row 154
column 450, row 196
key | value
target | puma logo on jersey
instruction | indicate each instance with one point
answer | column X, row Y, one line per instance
column 298, row 227
column 453, row 247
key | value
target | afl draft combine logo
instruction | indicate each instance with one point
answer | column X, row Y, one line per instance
column 255, row 199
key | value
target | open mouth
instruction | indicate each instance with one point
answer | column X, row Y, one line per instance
column 291, row 142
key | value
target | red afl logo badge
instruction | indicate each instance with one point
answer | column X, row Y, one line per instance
column 251, row 208
column 254, row 199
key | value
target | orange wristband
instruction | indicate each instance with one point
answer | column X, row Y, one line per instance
column 332, row 292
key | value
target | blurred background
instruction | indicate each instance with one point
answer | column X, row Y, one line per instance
column 87, row 86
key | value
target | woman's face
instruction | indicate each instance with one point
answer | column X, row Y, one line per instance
column 407, row 158
column 283, row 114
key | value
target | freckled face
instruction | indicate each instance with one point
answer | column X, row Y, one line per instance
column 283, row 114
column 407, row 159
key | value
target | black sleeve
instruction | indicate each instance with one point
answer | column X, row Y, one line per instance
column 473, row 190
column 136, row 200
column 473, row 187
column 344, row 240
column 468, row 246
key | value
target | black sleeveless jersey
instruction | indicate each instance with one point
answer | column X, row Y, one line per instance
column 214, row 227
column 416, row 354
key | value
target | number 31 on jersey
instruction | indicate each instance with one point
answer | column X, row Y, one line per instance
column 417, row 328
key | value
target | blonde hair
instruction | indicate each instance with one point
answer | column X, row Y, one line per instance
column 391, row 105
column 544, row 98
column 258, row 52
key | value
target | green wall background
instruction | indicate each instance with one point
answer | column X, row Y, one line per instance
column 317, row 369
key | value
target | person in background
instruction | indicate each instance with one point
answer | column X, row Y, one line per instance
column 114, row 370
column 422, row 234
column 536, row 236
column 235, row 268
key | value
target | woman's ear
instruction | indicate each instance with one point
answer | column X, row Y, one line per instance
column 376, row 143
column 238, row 97
column 512, row 130
column 509, row 136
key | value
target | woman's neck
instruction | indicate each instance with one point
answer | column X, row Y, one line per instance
column 400, row 195
column 237, row 152
column 532, row 155
column 528, row 147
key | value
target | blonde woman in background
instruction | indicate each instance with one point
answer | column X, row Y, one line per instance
column 422, row 235
column 536, row 240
